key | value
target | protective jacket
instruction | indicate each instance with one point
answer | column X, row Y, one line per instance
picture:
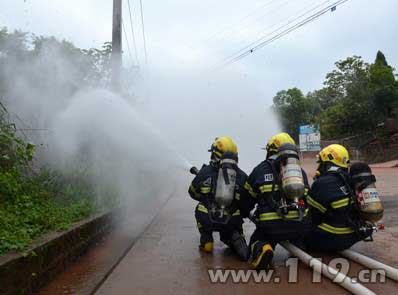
column 265, row 182
column 203, row 188
column 331, row 203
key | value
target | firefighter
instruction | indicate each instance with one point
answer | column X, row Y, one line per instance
column 215, row 212
column 335, row 222
column 276, row 218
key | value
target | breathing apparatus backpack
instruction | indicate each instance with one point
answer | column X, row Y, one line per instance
column 367, row 197
column 287, row 171
column 367, row 206
column 222, row 207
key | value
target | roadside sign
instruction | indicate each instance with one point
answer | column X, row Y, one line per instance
column 310, row 138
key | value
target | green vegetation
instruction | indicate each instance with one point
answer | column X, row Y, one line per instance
column 33, row 203
column 35, row 200
column 48, row 66
column 356, row 99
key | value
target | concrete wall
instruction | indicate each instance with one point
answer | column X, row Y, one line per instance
column 26, row 273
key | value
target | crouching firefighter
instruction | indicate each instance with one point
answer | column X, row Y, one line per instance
column 344, row 202
column 223, row 194
column 280, row 187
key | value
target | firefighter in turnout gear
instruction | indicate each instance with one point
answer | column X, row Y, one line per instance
column 280, row 187
column 335, row 221
column 223, row 194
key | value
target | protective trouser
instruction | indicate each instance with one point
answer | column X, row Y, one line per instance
column 319, row 240
column 206, row 227
column 272, row 232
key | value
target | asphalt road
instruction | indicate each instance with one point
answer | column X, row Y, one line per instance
column 165, row 258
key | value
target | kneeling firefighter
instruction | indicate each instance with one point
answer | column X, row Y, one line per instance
column 223, row 194
column 344, row 202
column 280, row 187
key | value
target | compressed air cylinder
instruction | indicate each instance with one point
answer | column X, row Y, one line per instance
column 290, row 173
column 226, row 180
column 367, row 196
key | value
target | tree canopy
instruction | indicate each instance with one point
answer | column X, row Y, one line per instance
column 357, row 98
column 43, row 61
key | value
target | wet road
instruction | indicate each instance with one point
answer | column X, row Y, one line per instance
column 165, row 260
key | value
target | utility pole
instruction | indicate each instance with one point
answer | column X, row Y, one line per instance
column 117, row 45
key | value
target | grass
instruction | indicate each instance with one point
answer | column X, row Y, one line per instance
column 35, row 209
column 35, row 203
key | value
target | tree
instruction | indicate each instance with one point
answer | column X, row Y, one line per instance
column 351, row 75
column 356, row 98
column 351, row 112
column 294, row 109
column 381, row 59
column 50, row 67
column 324, row 97
column 383, row 86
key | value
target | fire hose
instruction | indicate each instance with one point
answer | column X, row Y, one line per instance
column 329, row 272
column 390, row 272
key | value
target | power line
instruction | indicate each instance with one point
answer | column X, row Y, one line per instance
column 132, row 32
column 275, row 10
column 272, row 10
column 263, row 43
column 231, row 26
column 281, row 34
column 127, row 40
column 143, row 33
column 296, row 18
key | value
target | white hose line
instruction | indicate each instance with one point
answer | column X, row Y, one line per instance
column 391, row 272
column 327, row 271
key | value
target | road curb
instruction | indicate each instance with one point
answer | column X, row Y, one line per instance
column 50, row 255
column 389, row 164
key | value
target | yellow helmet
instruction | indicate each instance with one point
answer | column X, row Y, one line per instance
column 221, row 145
column 277, row 140
column 336, row 154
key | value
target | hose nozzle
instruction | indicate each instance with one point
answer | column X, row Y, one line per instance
column 194, row 170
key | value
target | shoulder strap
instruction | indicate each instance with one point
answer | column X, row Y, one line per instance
column 273, row 202
column 356, row 224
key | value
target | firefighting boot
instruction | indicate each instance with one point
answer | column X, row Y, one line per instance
column 206, row 242
column 262, row 254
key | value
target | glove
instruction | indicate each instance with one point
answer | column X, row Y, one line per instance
column 253, row 215
column 366, row 232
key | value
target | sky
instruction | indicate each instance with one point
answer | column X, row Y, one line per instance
column 193, row 36
column 186, row 40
